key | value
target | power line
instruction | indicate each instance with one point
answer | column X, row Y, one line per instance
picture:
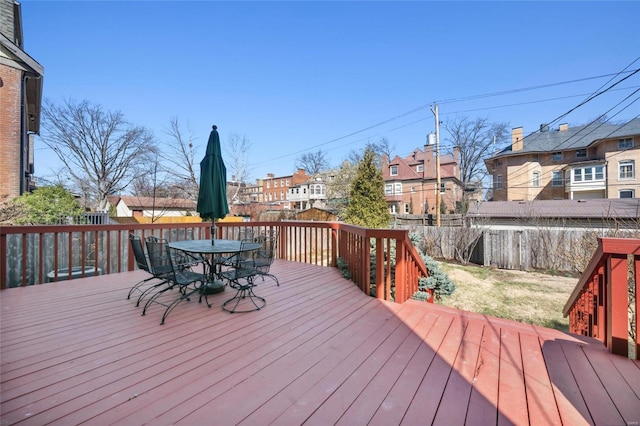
column 425, row 106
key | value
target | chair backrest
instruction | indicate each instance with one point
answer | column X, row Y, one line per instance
column 264, row 256
column 245, row 234
column 138, row 253
column 158, row 257
column 245, row 255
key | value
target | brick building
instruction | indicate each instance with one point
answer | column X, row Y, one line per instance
column 20, row 102
column 275, row 190
column 411, row 182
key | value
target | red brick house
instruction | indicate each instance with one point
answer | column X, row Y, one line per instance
column 275, row 189
column 411, row 182
column 20, row 102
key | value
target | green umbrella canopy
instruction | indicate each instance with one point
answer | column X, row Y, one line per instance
column 212, row 196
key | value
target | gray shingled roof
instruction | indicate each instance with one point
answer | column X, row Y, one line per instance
column 628, row 208
column 575, row 137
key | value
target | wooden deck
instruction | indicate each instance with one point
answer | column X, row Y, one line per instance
column 319, row 353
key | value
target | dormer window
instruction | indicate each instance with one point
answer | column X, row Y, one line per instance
column 420, row 168
column 393, row 170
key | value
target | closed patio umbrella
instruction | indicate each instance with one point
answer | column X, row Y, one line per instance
column 212, row 196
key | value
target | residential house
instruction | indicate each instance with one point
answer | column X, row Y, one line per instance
column 20, row 103
column 411, row 182
column 137, row 207
column 306, row 195
column 276, row 189
column 592, row 161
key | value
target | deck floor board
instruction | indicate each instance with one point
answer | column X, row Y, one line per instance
column 320, row 352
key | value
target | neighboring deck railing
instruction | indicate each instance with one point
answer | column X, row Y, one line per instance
column 37, row 254
column 599, row 306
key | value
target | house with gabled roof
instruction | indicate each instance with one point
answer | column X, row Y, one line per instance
column 133, row 206
column 21, row 94
column 410, row 183
column 592, row 161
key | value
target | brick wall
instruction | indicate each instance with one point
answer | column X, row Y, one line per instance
column 10, row 170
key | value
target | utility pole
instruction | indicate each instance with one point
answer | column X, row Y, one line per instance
column 434, row 110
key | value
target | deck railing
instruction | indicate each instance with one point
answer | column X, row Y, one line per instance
column 36, row 254
column 599, row 306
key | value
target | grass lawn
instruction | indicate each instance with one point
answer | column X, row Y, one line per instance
column 528, row 297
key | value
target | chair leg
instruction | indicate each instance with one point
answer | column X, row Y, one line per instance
column 244, row 292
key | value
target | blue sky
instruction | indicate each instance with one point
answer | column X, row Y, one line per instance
column 295, row 77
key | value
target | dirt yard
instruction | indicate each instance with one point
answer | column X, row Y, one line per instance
column 528, row 297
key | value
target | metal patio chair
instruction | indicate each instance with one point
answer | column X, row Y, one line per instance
column 180, row 277
column 240, row 276
column 143, row 263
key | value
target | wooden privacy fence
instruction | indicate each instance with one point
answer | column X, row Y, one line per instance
column 552, row 249
column 37, row 254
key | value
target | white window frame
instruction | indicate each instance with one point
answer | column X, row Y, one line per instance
column 388, row 189
column 392, row 209
column 535, row 180
column 577, row 175
column 626, row 143
column 443, row 187
column 629, row 191
column 626, row 174
column 498, row 182
column 406, row 208
column 420, row 168
column 397, row 188
column 393, row 170
column 556, row 178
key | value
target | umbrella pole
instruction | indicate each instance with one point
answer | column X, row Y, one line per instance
column 213, row 232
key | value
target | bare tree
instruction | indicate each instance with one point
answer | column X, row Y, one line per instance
column 181, row 163
column 380, row 148
column 238, row 148
column 98, row 148
column 313, row 162
column 475, row 139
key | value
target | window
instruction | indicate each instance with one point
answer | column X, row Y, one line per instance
column 498, row 182
column 577, row 175
column 393, row 209
column 599, row 172
column 588, row 174
column 388, row 189
column 287, row 182
column 275, row 183
column 627, row 193
column 581, row 153
column 625, row 143
column 268, row 184
column 406, row 208
column 281, row 182
column 413, row 189
column 625, row 169
column 282, row 197
column 556, row 156
column 393, row 170
column 442, row 187
column 536, row 179
column 556, row 179
column 398, row 188
column 420, row 168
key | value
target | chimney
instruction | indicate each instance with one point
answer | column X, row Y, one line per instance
column 544, row 128
column 517, row 142
column 563, row 127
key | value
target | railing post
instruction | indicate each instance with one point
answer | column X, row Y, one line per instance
column 617, row 305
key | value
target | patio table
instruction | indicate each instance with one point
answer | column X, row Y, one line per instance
column 206, row 248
